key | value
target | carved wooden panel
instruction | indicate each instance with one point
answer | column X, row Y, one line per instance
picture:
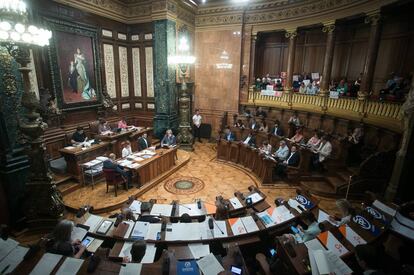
column 149, row 71
column 123, row 71
column 136, row 67
column 109, row 69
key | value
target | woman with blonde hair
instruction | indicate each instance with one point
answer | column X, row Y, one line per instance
column 61, row 242
column 346, row 212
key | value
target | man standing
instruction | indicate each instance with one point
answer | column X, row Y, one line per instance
column 322, row 153
column 197, row 124
column 143, row 142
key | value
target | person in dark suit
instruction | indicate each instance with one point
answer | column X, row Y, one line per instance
column 79, row 136
column 276, row 130
column 169, row 139
column 143, row 142
column 254, row 125
column 111, row 164
column 250, row 139
column 228, row 135
column 293, row 160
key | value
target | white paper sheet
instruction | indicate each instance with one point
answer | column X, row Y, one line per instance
column 129, row 230
column 161, row 210
column 78, row 233
column 236, row 203
column 93, row 221
column 314, row 244
column 294, row 204
column 149, row 254
column 6, row 246
column 255, row 197
column 46, row 264
column 131, row 269
column 403, row 226
column 13, row 259
column 266, row 218
column 323, row 216
column 209, row 265
column 335, row 246
column 313, row 265
column 330, row 263
column 135, row 207
column 184, row 232
column 126, row 250
column 237, row 226
column 190, row 209
column 199, row 250
column 140, row 230
column 281, row 214
column 353, row 237
column 220, row 229
column 384, row 208
column 153, row 230
column 70, row 266
column 249, row 224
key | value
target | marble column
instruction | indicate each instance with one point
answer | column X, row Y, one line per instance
column 403, row 158
column 166, row 100
column 252, row 77
column 372, row 52
column 328, row 59
column 291, row 35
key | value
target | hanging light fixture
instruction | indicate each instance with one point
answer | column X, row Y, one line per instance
column 15, row 26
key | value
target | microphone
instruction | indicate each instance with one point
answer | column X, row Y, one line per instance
column 93, row 263
column 301, row 208
column 189, row 208
column 199, row 204
column 216, row 225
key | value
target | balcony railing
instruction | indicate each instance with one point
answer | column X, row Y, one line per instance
column 379, row 113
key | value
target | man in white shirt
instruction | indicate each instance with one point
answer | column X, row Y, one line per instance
column 250, row 139
column 282, row 153
column 322, row 153
column 196, row 124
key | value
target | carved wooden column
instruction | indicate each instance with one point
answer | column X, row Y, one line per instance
column 291, row 35
column 327, row 64
column 252, row 78
column 369, row 67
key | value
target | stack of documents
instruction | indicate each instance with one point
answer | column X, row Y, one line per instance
column 140, row 230
column 135, row 207
column 78, row 233
column 161, row 210
column 93, row 221
column 190, row 209
column 327, row 262
column 154, row 231
column 199, row 250
column 209, row 265
column 276, row 215
column 185, row 232
column 243, row 225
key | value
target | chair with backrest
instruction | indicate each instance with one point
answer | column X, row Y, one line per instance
column 114, row 178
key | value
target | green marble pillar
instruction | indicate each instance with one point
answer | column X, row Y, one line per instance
column 166, row 101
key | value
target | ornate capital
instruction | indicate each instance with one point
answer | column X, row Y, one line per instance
column 373, row 19
column 291, row 34
column 254, row 37
column 328, row 27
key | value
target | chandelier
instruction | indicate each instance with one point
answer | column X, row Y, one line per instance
column 184, row 58
column 16, row 28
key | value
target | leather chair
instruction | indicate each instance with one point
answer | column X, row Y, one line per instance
column 114, row 178
column 93, row 128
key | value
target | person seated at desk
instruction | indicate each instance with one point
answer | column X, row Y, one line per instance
column 122, row 124
column 103, row 128
column 239, row 124
column 315, row 140
column 298, row 137
column 143, row 142
column 346, row 212
column 229, row 135
column 294, row 119
column 261, row 113
column 111, row 164
column 266, row 148
column 293, row 160
column 321, row 154
column 138, row 250
column 263, row 127
column 314, row 228
column 368, row 258
column 302, row 88
column 282, row 152
column 79, row 136
column 250, row 139
column 169, row 139
column 277, row 130
column 61, row 243
column 127, row 150
column 253, row 124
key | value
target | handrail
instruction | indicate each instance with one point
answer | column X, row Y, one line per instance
column 383, row 114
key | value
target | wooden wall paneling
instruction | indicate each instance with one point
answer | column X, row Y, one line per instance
column 358, row 52
column 328, row 124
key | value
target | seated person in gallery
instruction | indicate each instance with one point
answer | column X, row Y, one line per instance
column 312, row 89
column 169, row 139
column 342, row 87
column 126, row 150
column 261, row 113
column 143, row 142
column 368, row 258
column 302, row 88
column 228, row 135
column 278, row 86
column 321, row 153
column 282, row 153
column 111, row 164
column 298, row 137
column 253, row 124
column 250, row 139
column 258, row 84
column 294, row 120
column 263, row 127
column 314, row 228
column 104, row 128
column 79, row 136
column 346, row 211
column 266, row 148
column 277, row 130
column 122, row 124
column 138, row 250
column 239, row 124
column 60, row 241
column 292, row 160
column 315, row 140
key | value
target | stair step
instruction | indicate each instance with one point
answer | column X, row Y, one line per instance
column 60, row 178
column 335, row 182
column 68, row 187
column 319, row 188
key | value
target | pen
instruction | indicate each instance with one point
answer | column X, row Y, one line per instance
column 4, row 269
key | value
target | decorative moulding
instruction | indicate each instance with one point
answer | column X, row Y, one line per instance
column 148, row 36
column 151, row 106
column 138, row 105
column 125, row 106
column 122, row 36
column 135, row 37
column 107, row 33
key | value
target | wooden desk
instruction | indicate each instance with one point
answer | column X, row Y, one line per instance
column 116, row 139
column 75, row 157
column 151, row 168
